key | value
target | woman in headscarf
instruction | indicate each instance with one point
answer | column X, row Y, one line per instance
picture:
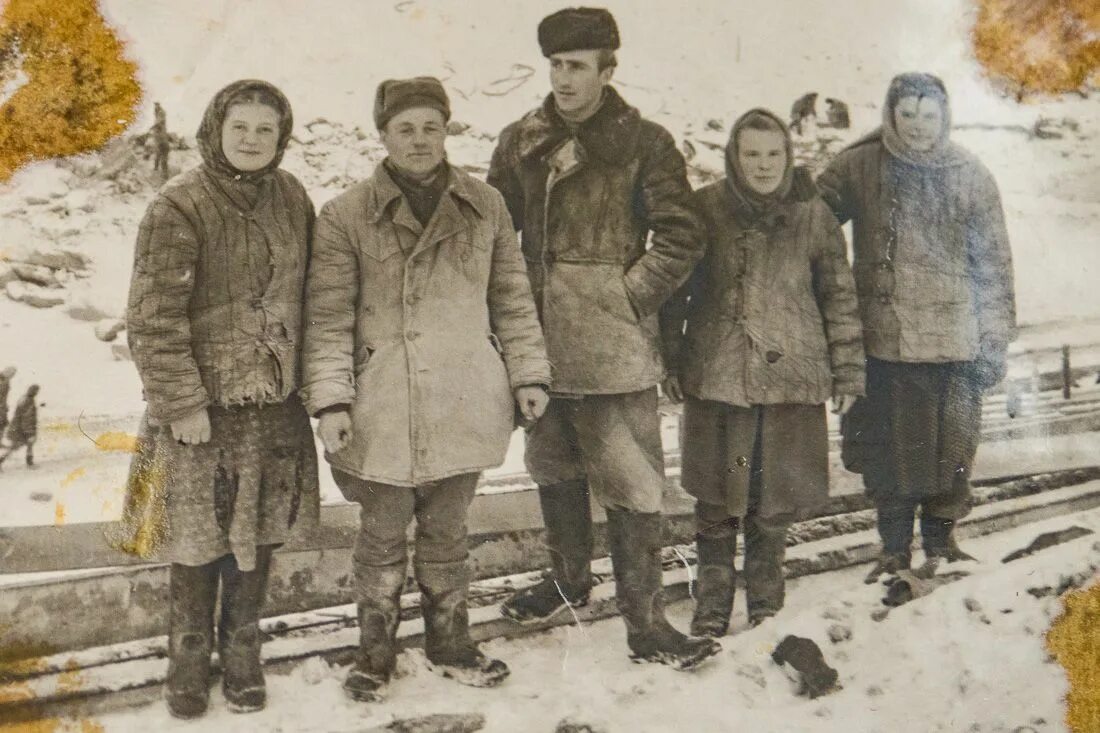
column 772, row 333
column 934, row 275
column 227, row 459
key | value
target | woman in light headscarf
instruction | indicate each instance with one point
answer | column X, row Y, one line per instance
column 227, row 467
column 934, row 274
column 772, row 333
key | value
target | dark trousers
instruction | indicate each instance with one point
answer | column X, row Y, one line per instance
column 385, row 512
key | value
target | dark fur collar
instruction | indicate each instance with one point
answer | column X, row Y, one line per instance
column 610, row 135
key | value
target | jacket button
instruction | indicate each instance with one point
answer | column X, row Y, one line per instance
column 742, row 461
column 412, row 298
column 773, row 356
column 412, row 335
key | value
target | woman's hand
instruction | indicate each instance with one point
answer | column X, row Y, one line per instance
column 193, row 429
column 842, row 403
column 335, row 430
column 671, row 388
column 532, row 400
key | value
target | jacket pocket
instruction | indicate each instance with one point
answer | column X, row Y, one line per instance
column 380, row 247
column 613, row 298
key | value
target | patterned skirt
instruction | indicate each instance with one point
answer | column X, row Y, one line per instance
column 254, row 483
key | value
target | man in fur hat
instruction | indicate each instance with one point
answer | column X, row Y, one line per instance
column 587, row 182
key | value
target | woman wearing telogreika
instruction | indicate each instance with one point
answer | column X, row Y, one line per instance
column 214, row 324
column 934, row 274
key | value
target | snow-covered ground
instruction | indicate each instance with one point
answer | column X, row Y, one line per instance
column 968, row 658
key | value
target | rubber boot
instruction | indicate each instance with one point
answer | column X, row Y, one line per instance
column 636, row 560
column 378, row 589
column 765, row 582
column 567, row 513
column 895, row 528
column 192, row 595
column 239, row 639
column 714, row 588
column 447, row 643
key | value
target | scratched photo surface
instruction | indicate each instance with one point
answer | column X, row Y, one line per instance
column 102, row 105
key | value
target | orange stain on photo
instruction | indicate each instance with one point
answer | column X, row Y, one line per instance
column 74, row 475
column 117, row 441
column 1074, row 640
column 1039, row 47
column 66, row 86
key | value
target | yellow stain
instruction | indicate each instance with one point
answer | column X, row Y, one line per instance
column 1074, row 640
column 1038, row 46
column 73, row 476
column 18, row 659
column 117, row 441
column 81, row 89
column 58, row 514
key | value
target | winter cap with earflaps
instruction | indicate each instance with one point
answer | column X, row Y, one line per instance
column 578, row 29
column 923, row 86
column 394, row 96
column 210, row 129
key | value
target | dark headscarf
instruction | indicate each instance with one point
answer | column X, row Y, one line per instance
column 210, row 129
column 944, row 153
column 749, row 204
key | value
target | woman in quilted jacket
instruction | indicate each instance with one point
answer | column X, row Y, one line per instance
column 764, row 332
column 226, row 467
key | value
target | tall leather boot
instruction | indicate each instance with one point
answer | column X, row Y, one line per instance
column 378, row 591
column 239, row 638
column 567, row 514
column 636, row 560
column 714, row 588
column 765, row 583
column 447, row 643
column 192, row 595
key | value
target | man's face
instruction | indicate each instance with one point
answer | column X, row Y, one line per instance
column 919, row 121
column 415, row 140
column 576, row 79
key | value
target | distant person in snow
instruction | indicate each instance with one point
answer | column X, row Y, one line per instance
column 934, row 274
column 214, row 325
column 5, row 387
column 803, row 108
column 161, row 141
column 421, row 343
column 772, row 333
column 837, row 114
column 589, row 182
column 23, row 429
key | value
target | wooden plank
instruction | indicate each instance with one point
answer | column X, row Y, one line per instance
column 113, row 606
column 108, row 686
column 82, row 546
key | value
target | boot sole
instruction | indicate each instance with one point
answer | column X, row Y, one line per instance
column 678, row 662
column 235, row 706
column 514, row 616
column 469, row 678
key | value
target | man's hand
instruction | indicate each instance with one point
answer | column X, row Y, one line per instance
column 672, row 390
column 532, row 401
column 842, row 403
column 193, row 429
column 335, row 430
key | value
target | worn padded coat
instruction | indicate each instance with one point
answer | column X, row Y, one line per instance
column 423, row 330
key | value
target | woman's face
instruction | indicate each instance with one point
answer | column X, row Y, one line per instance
column 415, row 140
column 919, row 121
column 250, row 136
column 762, row 155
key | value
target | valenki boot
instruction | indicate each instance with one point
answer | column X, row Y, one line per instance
column 192, row 595
column 379, row 609
column 239, row 638
column 714, row 588
column 567, row 513
column 636, row 561
column 447, row 643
